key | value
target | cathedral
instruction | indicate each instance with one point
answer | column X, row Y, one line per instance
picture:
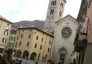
column 64, row 30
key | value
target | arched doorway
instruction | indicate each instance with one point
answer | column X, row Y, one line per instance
column 14, row 52
column 25, row 54
column 62, row 54
column 33, row 56
column 18, row 53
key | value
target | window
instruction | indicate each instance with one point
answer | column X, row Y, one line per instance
column 53, row 3
column 42, row 58
column 16, row 44
column 34, row 32
column 10, row 38
column 45, row 57
column 62, row 57
column 13, row 45
column 14, row 38
column 49, row 42
column 35, row 45
column 40, row 47
column 7, row 24
column 13, row 33
column 27, row 44
column 51, row 11
column 4, row 40
column 60, row 13
column 42, row 40
column 48, row 49
column 39, row 56
column 61, row 5
column 6, row 33
column 17, row 37
column 21, row 35
column 29, row 35
column 37, row 38
column 66, row 32
column 20, row 43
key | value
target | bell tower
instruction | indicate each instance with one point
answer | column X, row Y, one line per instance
column 54, row 13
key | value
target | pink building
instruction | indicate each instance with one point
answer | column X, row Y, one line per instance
column 83, row 43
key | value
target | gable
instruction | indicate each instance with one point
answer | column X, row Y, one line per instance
column 67, row 18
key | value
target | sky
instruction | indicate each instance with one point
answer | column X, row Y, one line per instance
column 17, row 10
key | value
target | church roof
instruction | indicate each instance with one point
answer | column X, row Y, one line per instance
column 67, row 16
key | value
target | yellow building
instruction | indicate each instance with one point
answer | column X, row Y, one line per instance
column 34, row 43
column 5, row 26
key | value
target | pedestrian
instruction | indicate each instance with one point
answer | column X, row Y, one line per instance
column 7, row 57
column 16, row 61
column 74, row 61
column 60, row 62
column 20, row 61
column 0, row 59
column 52, row 62
column 36, row 62
column 49, row 61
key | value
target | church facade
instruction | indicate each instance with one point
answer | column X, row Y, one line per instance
column 64, row 30
column 64, row 35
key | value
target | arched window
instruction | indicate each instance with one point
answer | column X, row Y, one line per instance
column 60, row 13
column 52, row 11
column 61, row 4
column 53, row 3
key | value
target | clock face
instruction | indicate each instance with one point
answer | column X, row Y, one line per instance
column 66, row 32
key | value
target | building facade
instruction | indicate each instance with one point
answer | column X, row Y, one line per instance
column 64, row 36
column 5, row 26
column 54, row 13
column 12, row 37
column 34, row 43
column 83, row 45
